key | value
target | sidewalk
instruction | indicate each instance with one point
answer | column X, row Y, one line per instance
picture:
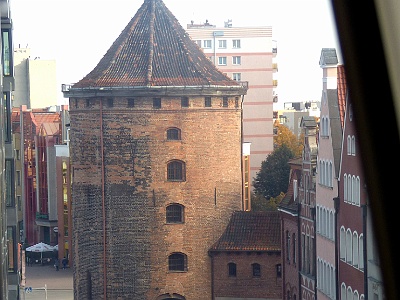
column 59, row 283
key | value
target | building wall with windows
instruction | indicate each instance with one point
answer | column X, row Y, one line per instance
column 247, row 264
column 352, row 220
column 246, row 54
column 328, row 162
column 160, row 181
column 37, row 80
column 9, row 212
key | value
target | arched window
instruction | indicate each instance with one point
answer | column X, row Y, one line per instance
column 173, row 134
column 232, row 269
column 174, row 213
column 176, row 171
column 256, row 270
column 177, row 262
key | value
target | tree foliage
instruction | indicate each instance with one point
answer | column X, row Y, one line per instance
column 259, row 203
column 284, row 136
column 273, row 177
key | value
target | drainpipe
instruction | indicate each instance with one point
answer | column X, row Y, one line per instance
column 103, row 201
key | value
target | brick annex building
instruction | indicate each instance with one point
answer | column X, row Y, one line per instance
column 156, row 148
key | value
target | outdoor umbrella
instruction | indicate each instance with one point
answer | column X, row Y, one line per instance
column 40, row 247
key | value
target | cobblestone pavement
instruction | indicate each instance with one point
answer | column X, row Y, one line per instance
column 58, row 284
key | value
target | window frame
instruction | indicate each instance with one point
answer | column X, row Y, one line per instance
column 237, row 76
column 177, row 262
column 207, row 44
column 184, row 101
column 207, row 101
column 176, row 170
column 256, row 269
column 222, row 44
column 174, row 213
column 157, row 103
column 173, row 134
column 236, row 60
column 232, row 269
column 222, row 60
column 236, row 44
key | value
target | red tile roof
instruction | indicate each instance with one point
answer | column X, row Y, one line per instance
column 251, row 231
column 154, row 50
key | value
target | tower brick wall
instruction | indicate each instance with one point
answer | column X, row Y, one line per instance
column 120, row 192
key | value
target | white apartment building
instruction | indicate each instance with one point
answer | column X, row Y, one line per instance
column 246, row 54
column 35, row 80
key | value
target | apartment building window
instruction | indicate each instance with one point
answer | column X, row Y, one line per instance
column 237, row 76
column 6, row 52
column 87, row 102
column 110, row 102
column 157, row 103
column 236, row 43
column 225, row 101
column 131, row 102
column 19, row 202
column 184, row 101
column 236, row 60
column 222, row 60
column 222, row 44
column 207, row 44
column 174, row 213
column 17, row 154
column 9, row 170
column 12, row 265
column 18, row 174
column 7, row 116
column 207, row 101
column 177, row 262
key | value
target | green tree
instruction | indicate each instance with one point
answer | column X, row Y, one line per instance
column 273, row 177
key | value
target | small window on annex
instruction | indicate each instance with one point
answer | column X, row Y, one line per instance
column 184, row 101
column 157, row 103
column 177, row 262
column 256, row 270
column 225, row 101
column 207, row 101
column 174, row 213
column 232, row 269
column 110, row 102
column 176, row 171
column 131, row 102
column 173, row 134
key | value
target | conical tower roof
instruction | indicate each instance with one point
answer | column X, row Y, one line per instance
column 154, row 51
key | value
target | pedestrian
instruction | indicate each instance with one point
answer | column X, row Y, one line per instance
column 56, row 264
column 64, row 262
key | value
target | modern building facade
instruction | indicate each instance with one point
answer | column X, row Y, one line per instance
column 156, row 162
column 36, row 80
column 246, row 54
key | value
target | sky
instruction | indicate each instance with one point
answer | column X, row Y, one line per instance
column 77, row 34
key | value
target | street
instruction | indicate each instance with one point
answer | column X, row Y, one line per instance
column 44, row 279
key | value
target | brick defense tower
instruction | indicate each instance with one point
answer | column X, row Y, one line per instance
column 155, row 147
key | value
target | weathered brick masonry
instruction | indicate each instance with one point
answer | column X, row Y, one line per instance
column 128, row 147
